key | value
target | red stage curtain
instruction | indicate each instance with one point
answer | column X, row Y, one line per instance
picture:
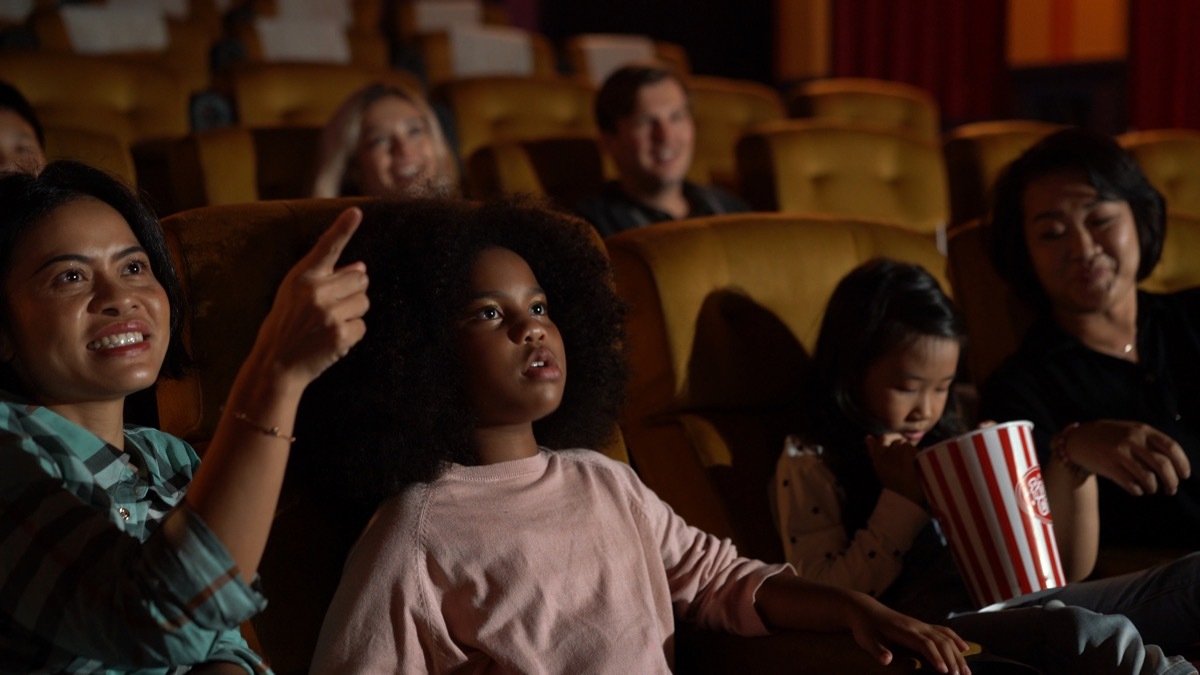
column 1164, row 65
column 952, row 48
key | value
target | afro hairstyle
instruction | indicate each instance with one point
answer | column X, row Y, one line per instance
column 394, row 412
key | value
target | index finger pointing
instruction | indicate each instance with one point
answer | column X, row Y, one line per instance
column 325, row 253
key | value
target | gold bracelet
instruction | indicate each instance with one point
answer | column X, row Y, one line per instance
column 1058, row 445
column 270, row 431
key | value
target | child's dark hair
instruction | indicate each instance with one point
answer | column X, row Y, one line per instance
column 394, row 412
column 880, row 306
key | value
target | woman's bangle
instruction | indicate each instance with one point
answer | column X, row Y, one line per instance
column 1058, row 445
column 269, row 431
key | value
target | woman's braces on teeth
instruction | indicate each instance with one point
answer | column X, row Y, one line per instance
column 118, row 340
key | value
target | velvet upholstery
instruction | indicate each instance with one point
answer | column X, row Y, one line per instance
column 976, row 153
column 816, row 167
column 1170, row 158
column 132, row 101
column 438, row 58
column 488, row 109
column 303, row 94
column 566, row 169
column 723, row 109
column 867, row 101
column 100, row 149
column 231, row 165
column 186, row 54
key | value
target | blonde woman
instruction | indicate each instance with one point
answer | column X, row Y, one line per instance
column 385, row 140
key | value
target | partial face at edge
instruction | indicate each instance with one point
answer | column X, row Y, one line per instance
column 19, row 147
column 516, row 365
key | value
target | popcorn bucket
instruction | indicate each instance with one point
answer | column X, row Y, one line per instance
column 985, row 488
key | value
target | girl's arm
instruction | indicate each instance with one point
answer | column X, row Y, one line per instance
column 786, row 601
column 315, row 320
column 809, row 508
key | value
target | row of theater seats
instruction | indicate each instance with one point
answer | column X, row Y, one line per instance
column 868, row 149
column 724, row 314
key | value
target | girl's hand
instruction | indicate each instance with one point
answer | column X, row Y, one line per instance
column 318, row 311
column 874, row 626
column 895, row 463
column 1137, row 457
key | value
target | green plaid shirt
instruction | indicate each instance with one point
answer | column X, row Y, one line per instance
column 102, row 567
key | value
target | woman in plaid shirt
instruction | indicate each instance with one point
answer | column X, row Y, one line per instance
column 119, row 552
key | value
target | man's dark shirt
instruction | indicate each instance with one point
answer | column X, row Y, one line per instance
column 614, row 211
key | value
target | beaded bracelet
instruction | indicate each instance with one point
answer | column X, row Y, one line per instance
column 269, row 431
column 1058, row 445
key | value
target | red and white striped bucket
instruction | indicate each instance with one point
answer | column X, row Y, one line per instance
column 986, row 490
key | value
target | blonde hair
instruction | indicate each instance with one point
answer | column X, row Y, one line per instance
column 340, row 137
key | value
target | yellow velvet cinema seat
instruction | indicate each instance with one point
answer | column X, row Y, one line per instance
column 132, row 101
column 815, row 167
column 1170, row 158
column 565, row 169
column 281, row 38
column 593, row 56
column 873, row 102
column 303, row 94
column 132, row 34
column 99, row 149
column 723, row 109
column 232, row 165
column 489, row 109
column 975, row 154
column 484, row 50
column 724, row 314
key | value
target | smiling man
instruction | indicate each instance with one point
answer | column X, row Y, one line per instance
column 645, row 119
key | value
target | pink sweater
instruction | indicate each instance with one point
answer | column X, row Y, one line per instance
column 560, row 563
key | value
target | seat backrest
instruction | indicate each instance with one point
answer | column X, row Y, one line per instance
column 482, row 51
column 232, row 259
column 891, row 105
column 725, row 311
column 101, row 150
column 975, row 154
column 234, row 165
column 303, row 94
column 723, row 109
column 592, row 57
column 133, row 101
column 489, row 109
column 1170, row 158
column 131, row 33
column 997, row 320
column 302, row 39
column 566, row 169
column 809, row 166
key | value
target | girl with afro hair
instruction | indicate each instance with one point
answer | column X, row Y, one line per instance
column 493, row 361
